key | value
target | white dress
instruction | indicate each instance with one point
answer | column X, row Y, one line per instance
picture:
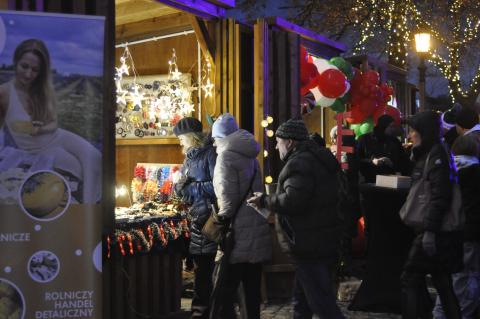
column 71, row 152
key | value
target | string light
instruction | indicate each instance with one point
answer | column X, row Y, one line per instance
column 161, row 103
column 394, row 19
column 264, row 123
column 270, row 133
column 268, row 179
column 265, row 153
column 269, row 119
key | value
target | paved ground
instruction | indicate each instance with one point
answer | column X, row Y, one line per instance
column 284, row 311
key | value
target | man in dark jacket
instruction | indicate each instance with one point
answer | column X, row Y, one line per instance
column 380, row 153
column 196, row 189
column 306, row 206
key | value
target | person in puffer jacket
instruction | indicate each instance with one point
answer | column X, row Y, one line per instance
column 196, row 189
column 433, row 251
column 467, row 282
column 236, row 167
column 305, row 204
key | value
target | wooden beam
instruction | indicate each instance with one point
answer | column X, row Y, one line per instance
column 201, row 8
column 4, row 5
column 238, row 73
column 224, row 3
column 203, row 37
column 305, row 33
column 260, row 81
column 172, row 23
column 129, row 12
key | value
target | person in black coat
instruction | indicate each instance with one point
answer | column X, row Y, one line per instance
column 379, row 153
column 467, row 282
column 196, row 189
column 305, row 204
column 433, row 251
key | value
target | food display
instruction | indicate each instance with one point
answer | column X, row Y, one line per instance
column 143, row 211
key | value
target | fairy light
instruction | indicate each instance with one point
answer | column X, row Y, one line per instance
column 264, row 123
column 270, row 133
column 265, row 153
column 397, row 17
column 207, row 85
column 268, row 179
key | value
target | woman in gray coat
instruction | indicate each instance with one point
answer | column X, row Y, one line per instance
column 235, row 168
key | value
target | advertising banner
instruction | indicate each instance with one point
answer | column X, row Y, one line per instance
column 51, row 101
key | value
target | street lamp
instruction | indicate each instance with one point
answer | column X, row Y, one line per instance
column 422, row 46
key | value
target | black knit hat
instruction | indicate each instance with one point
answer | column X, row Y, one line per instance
column 187, row 125
column 467, row 118
column 292, row 130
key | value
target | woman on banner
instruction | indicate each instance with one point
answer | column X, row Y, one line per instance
column 433, row 251
column 28, row 114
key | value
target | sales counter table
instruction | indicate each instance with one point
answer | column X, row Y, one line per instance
column 388, row 243
column 145, row 267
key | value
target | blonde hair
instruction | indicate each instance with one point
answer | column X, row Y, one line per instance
column 41, row 91
column 195, row 140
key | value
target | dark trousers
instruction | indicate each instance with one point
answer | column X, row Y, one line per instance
column 416, row 302
column 313, row 292
column 250, row 276
column 204, row 265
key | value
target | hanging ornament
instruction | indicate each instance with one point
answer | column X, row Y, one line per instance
column 207, row 85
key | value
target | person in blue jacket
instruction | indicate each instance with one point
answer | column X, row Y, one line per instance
column 196, row 189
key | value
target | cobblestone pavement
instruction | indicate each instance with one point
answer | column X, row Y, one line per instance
column 284, row 311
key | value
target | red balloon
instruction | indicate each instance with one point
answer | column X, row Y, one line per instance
column 372, row 77
column 357, row 116
column 389, row 110
column 332, row 83
column 368, row 106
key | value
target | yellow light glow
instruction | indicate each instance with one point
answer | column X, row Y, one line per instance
column 270, row 133
column 422, row 42
column 264, row 123
column 265, row 153
column 269, row 119
column 268, row 179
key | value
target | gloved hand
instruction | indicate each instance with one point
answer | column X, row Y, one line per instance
column 428, row 243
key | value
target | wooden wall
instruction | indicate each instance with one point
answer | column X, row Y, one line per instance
column 152, row 58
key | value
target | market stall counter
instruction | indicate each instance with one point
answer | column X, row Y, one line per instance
column 388, row 243
column 146, row 249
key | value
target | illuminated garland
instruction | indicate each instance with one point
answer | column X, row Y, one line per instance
column 398, row 18
column 144, row 240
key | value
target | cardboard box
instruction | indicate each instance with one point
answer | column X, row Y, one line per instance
column 393, row 181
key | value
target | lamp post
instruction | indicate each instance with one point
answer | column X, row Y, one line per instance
column 422, row 46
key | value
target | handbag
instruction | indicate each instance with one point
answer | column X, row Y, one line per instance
column 215, row 229
column 418, row 199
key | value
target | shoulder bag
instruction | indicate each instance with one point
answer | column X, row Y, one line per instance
column 418, row 200
column 215, row 229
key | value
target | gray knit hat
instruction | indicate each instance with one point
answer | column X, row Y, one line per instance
column 292, row 130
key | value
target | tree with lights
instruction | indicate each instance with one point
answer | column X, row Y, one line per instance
column 387, row 27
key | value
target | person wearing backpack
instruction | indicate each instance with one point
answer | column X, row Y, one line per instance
column 305, row 204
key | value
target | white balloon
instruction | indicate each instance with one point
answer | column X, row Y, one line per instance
column 346, row 89
column 323, row 65
column 320, row 99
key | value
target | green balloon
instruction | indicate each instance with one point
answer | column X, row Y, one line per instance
column 346, row 97
column 366, row 127
column 356, row 129
column 338, row 106
column 343, row 66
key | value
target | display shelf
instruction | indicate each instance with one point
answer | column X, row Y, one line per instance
column 147, row 141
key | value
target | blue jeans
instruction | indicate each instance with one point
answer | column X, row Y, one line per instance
column 466, row 284
column 313, row 292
